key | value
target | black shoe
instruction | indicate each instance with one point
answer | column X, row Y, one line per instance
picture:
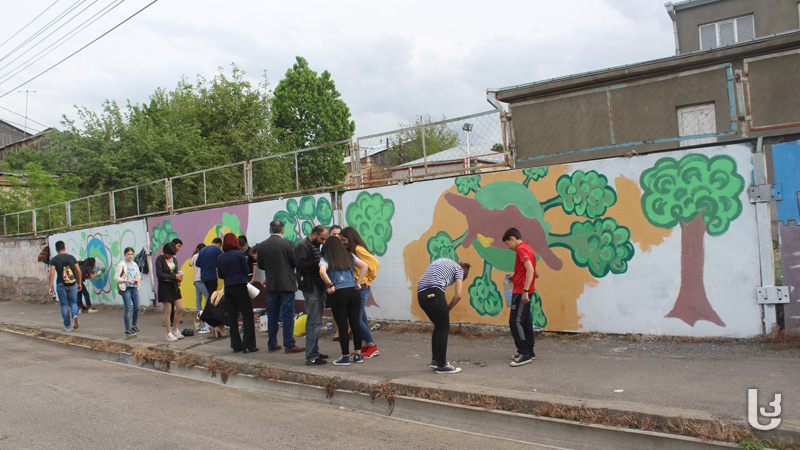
column 316, row 362
column 323, row 356
column 251, row 350
column 237, row 350
column 335, row 339
column 135, row 329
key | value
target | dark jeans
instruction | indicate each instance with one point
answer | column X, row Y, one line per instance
column 237, row 301
column 211, row 285
column 85, row 294
column 434, row 304
column 346, row 307
column 280, row 304
column 520, row 321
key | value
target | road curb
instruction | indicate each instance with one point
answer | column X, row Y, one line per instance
column 350, row 394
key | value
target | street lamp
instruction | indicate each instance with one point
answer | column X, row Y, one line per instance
column 467, row 129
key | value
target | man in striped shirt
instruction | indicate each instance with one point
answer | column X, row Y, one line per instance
column 430, row 294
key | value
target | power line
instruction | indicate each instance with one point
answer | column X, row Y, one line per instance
column 42, row 29
column 27, row 24
column 80, row 49
column 58, row 43
column 18, row 114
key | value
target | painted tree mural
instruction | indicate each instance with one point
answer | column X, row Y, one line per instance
column 300, row 218
column 600, row 244
column 700, row 194
column 371, row 215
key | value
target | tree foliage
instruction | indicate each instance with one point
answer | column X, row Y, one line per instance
column 196, row 126
column 371, row 216
column 441, row 245
column 585, row 194
column 601, row 245
column 35, row 188
column 307, row 112
column 409, row 141
column 676, row 192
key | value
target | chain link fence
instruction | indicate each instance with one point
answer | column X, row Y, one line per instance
column 472, row 143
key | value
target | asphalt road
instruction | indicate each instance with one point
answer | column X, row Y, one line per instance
column 56, row 398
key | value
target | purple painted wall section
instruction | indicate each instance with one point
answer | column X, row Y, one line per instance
column 193, row 228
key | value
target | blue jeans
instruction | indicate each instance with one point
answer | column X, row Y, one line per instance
column 131, row 298
column 280, row 304
column 200, row 291
column 84, row 293
column 68, row 297
column 364, row 321
column 315, row 303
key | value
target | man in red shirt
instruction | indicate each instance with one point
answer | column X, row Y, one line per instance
column 520, row 320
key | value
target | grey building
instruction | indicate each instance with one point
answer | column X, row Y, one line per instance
column 708, row 24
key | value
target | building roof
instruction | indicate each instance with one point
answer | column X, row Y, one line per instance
column 677, row 6
column 687, row 61
column 366, row 151
column 480, row 153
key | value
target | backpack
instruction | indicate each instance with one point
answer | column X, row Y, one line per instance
column 68, row 275
column 141, row 261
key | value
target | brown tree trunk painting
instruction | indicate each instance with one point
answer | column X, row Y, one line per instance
column 692, row 303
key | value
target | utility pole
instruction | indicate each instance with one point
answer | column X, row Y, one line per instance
column 27, row 93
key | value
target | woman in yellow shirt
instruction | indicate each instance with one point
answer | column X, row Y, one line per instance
column 356, row 245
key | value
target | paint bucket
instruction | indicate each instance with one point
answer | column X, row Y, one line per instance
column 508, row 286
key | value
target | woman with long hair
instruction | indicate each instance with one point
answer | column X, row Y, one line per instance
column 356, row 245
column 168, row 293
column 128, row 277
column 336, row 268
column 232, row 268
column 200, row 289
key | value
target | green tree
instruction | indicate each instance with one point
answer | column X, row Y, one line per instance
column 198, row 125
column 700, row 194
column 601, row 245
column 408, row 142
column 371, row 216
column 585, row 194
column 308, row 112
column 441, row 245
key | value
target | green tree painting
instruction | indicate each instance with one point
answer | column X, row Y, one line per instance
column 599, row 244
column 701, row 195
column 371, row 216
column 300, row 218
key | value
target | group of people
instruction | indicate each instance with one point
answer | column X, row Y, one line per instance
column 331, row 267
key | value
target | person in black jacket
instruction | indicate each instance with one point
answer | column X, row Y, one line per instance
column 276, row 259
column 168, row 293
column 310, row 283
column 232, row 268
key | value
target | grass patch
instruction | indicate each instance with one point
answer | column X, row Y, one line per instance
column 222, row 369
column 330, row 388
column 152, row 355
column 780, row 340
column 187, row 360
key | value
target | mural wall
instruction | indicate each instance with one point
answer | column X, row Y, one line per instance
column 662, row 243
column 786, row 161
column 106, row 244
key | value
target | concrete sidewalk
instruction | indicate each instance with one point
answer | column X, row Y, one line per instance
column 701, row 380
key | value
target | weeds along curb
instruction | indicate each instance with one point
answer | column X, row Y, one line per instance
column 355, row 394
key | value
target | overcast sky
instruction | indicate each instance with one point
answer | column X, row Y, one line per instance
column 390, row 62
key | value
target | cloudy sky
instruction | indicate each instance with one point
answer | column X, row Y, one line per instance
column 390, row 61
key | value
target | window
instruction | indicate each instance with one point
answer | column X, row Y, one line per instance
column 727, row 32
column 697, row 120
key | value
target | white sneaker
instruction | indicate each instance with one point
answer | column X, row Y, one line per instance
column 171, row 337
column 177, row 333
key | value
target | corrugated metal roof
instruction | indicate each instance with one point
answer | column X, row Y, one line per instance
column 481, row 153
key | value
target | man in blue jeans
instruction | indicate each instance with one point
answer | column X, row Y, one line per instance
column 307, row 256
column 66, row 273
column 276, row 259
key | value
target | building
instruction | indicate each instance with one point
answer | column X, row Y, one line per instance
column 10, row 134
column 709, row 24
column 452, row 161
column 12, row 139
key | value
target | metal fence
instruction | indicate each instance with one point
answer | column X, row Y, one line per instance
column 466, row 144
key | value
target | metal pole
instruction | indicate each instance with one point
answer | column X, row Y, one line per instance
column 68, row 212
column 205, row 191
column 112, row 207
column 33, row 217
column 89, row 208
column 296, row 172
column 138, row 212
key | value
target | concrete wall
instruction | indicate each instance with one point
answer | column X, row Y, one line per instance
column 647, row 281
column 769, row 17
column 106, row 244
column 22, row 276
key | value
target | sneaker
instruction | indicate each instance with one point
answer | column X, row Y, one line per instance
column 448, row 369
column 130, row 334
column 177, row 333
column 75, row 324
column 522, row 360
column 357, row 358
column 371, row 352
column 343, row 361
column 434, row 364
column 204, row 330
column 67, row 329
column 323, row 356
column 316, row 362
column 135, row 330
column 171, row 337
column 91, row 310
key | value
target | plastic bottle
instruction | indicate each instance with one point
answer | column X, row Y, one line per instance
column 508, row 286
